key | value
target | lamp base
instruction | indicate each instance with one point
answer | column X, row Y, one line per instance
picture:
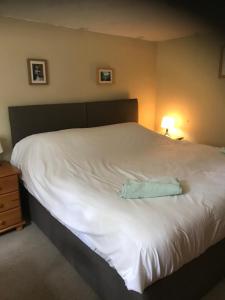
column 167, row 132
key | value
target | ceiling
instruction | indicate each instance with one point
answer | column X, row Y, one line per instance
column 148, row 20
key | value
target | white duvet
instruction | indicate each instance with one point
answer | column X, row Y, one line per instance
column 76, row 174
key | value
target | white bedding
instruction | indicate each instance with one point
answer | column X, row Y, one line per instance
column 76, row 174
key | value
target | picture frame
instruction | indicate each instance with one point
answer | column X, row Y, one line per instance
column 105, row 75
column 37, row 71
column 222, row 63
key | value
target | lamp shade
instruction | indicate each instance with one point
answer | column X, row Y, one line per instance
column 1, row 149
column 167, row 122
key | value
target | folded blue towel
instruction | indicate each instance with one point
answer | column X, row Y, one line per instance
column 164, row 186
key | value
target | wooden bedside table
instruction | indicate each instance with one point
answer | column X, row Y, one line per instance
column 10, row 209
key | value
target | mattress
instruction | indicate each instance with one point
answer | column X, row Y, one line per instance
column 77, row 174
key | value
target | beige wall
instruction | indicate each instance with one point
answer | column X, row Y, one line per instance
column 184, row 71
column 73, row 57
column 188, row 87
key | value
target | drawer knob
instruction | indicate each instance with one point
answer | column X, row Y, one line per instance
column 2, row 222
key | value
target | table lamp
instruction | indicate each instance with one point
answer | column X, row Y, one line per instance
column 167, row 123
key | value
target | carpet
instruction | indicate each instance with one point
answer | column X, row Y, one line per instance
column 31, row 268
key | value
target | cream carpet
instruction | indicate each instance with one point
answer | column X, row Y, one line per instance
column 31, row 268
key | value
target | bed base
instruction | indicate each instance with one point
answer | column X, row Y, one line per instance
column 192, row 281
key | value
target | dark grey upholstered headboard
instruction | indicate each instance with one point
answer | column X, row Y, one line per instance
column 31, row 119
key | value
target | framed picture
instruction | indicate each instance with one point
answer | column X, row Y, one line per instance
column 222, row 63
column 37, row 71
column 105, row 75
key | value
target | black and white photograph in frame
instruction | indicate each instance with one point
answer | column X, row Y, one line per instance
column 37, row 71
column 105, row 75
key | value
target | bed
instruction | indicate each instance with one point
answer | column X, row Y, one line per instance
column 185, row 283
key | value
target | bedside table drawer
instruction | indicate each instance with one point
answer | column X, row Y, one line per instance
column 9, row 201
column 8, row 184
column 10, row 218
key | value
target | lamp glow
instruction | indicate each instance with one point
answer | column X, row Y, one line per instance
column 167, row 123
